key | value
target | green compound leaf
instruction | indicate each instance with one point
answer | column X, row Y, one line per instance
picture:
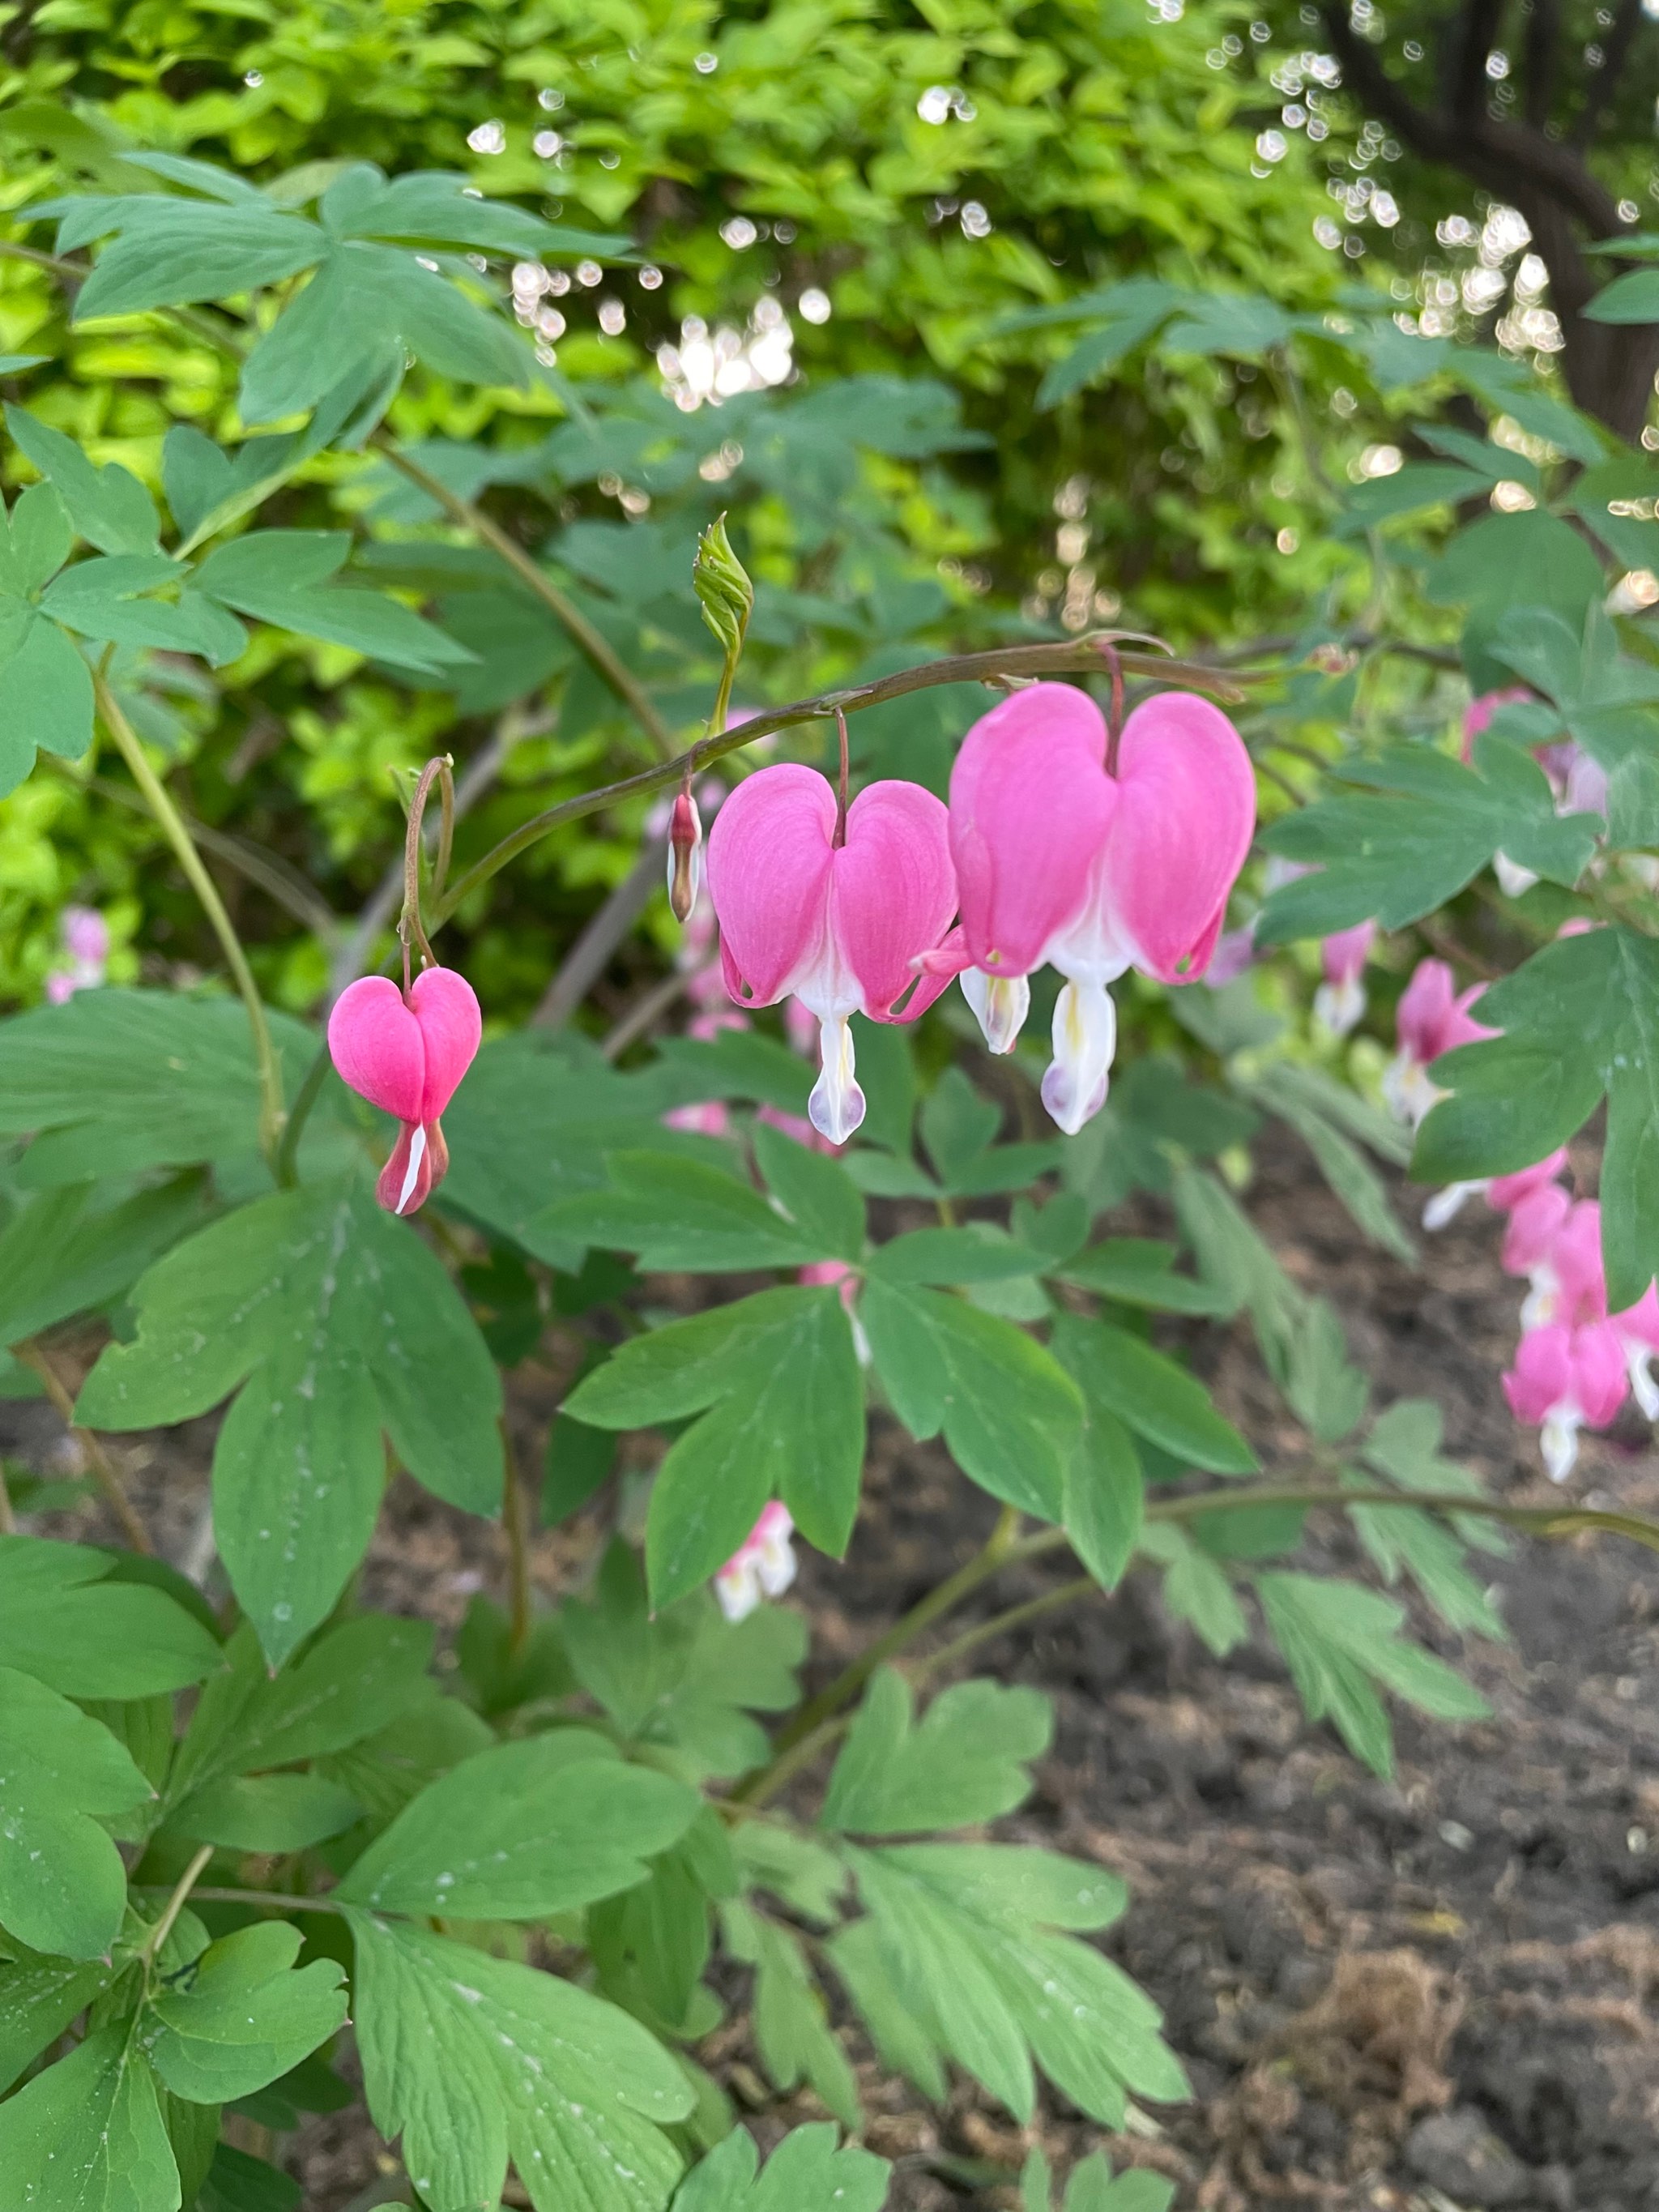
column 966, row 1935
column 819, row 1197
column 472, row 2059
column 778, row 1376
column 683, row 1680
column 1579, row 1020
column 1151, row 1395
column 965, row 1763
column 63, row 1885
column 89, row 2133
column 679, row 1213
column 528, row 1829
column 286, row 577
column 241, row 2016
column 61, row 1621
column 108, row 506
column 39, row 1998
column 334, row 1322
column 1424, row 828
column 805, row 2173
column 1342, row 1643
column 1009, row 1411
column 791, row 2027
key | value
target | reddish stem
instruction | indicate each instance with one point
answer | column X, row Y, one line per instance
column 840, row 837
column 1114, row 722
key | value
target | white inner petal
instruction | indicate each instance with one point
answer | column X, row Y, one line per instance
column 413, row 1173
column 1084, row 1039
column 837, row 1105
column 1000, row 1004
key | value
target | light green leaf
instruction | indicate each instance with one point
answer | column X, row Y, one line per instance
column 337, row 1321
column 1578, row 1021
column 791, row 2029
column 267, row 1813
column 1152, row 1394
column 1009, row 1411
column 805, row 2173
column 1105, row 1489
column 109, row 507
column 781, row 1377
column 63, row 1885
column 60, row 1619
column 1139, row 1271
column 1424, row 829
column 87, row 2135
column 47, row 671
column 989, row 1984
column 528, row 1829
column 39, row 1998
column 63, row 1254
column 36, row 538
column 239, row 2016
column 1341, row 1643
column 1195, row 1589
column 471, row 2059
column 816, row 1194
column 978, row 1252
column 679, row 1213
column 965, row 1763
column 1631, row 298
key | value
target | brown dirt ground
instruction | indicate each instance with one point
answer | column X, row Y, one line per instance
column 1412, row 1996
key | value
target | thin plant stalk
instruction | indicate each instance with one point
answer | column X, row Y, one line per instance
column 32, row 1355
column 589, row 641
column 207, row 891
column 175, row 1904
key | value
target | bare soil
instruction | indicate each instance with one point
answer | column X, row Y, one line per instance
column 1431, row 1993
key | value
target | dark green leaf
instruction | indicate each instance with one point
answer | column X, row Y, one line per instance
column 805, row 2173
column 88, row 2132
column 815, row 1193
column 61, row 1619
column 791, row 2029
column 336, row 1321
column 1009, row 1411
column 108, row 506
column 679, row 1213
column 528, row 1829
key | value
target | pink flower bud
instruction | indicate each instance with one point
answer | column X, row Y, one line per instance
column 1340, row 1001
column 843, row 927
column 684, row 856
column 1432, row 1018
column 1477, row 715
column 407, row 1056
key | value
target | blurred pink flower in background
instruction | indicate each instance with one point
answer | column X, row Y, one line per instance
column 86, row 943
column 764, row 1564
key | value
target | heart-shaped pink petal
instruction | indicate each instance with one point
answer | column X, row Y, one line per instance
column 769, row 875
column 893, row 890
column 445, row 1006
column 375, row 1041
column 1031, row 807
column 1186, row 813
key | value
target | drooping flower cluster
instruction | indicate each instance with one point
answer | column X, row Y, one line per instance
column 1050, row 852
column 1576, row 1363
column 1578, row 783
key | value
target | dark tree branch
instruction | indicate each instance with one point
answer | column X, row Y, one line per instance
column 1609, row 367
column 1543, row 38
column 1615, row 53
column 1469, row 40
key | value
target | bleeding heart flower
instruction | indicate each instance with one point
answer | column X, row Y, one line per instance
column 1059, row 859
column 764, row 1564
column 1340, row 1001
column 838, row 912
column 1566, row 1379
column 407, row 1055
column 1429, row 1019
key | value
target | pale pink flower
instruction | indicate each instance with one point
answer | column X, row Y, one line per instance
column 838, row 912
column 1340, row 1001
column 764, row 1564
column 1432, row 1018
column 86, row 942
column 407, row 1054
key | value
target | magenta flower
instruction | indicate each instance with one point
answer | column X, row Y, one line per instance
column 407, row 1054
column 839, row 911
column 1478, row 714
column 1432, row 1018
column 1504, row 1193
column 1059, row 859
column 1340, row 1001
column 764, row 1564
column 1566, row 1379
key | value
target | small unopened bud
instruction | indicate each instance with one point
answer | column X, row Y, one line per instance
column 684, row 856
column 723, row 588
